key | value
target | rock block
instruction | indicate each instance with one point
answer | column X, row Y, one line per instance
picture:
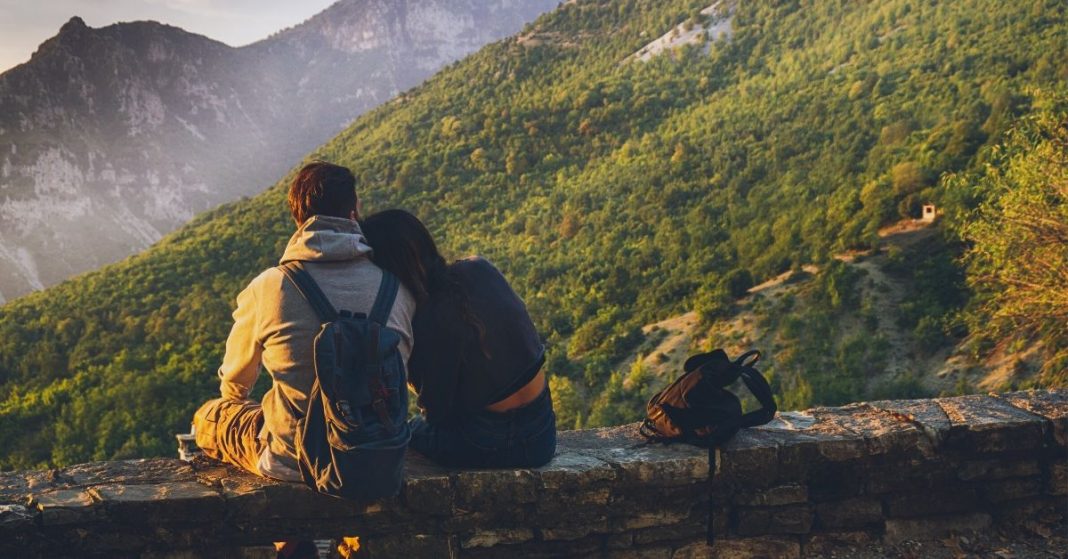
column 766, row 547
column 750, row 459
column 245, row 501
column 161, row 502
column 693, row 550
column 1058, row 478
column 646, row 553
column 832, row 481
column 67, row 506
column 17, row 487
column 637, row 462
column 574, row 531
column 828, row 427
column 795, row 519
column 491, row 538
column 296, row 500
column 574, row 470
column 1027, row 511
column 896, row 475
column 409, row 545
column 482, row 488
column 849, row 514
column 981, row 470
column 15, row 519
column 250, row 497
column 988, row 425
column 665, row 516
column 929, row 503
column 619, row 541
column 773, row 496
column 536, row 549
column 837, row 544
column 901, row 529
column 798, row 453
column 1050, row 404
column 144, row 471
column 926, row 415
column 690, row 529
column 1010, row 489
column 431, row 495
column 554, row 508
column 882, row 432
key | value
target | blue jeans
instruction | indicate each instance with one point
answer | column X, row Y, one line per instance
column 521, row 438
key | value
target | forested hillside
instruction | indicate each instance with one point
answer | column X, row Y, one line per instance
column 612, row 192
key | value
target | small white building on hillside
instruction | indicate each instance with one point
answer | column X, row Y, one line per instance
column 929, row 213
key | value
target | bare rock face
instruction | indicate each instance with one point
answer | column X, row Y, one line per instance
column 112, row 137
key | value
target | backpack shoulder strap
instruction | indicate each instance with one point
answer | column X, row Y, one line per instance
column 310, row 290
column 758, row 385
column 387, row 294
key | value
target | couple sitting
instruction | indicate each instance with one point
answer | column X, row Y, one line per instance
column 471, row 350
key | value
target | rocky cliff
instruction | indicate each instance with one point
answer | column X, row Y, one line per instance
column 111, row 137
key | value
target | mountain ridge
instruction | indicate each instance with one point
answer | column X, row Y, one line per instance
column 112, row 136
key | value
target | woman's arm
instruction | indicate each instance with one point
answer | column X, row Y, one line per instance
column 434, row 367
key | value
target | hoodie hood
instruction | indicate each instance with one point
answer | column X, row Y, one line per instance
column 326, row 239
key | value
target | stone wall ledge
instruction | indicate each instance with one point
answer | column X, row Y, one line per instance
column 884, row 471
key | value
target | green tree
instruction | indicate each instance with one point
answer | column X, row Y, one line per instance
column 908, row 177
column 1018, row 262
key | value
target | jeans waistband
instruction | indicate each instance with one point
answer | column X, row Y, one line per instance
column 533, row 408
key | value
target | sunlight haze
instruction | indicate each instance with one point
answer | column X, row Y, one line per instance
column 25, row 25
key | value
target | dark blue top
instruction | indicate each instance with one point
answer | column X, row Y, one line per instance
column 448, row 367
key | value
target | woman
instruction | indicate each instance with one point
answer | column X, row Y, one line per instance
column 476, row 363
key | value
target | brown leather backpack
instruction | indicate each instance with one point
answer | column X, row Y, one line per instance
column 698, row 409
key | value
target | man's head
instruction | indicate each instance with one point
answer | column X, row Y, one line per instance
column 323, row 189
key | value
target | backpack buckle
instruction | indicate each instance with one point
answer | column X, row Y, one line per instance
column 345, row 410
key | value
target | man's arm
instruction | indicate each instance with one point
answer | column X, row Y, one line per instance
column 241, row 365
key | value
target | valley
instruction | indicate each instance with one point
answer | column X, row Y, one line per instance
column 614, row 196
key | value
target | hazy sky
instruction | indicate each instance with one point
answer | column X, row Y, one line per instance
column 24, row 24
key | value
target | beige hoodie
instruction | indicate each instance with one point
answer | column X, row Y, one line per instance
column 274, row 326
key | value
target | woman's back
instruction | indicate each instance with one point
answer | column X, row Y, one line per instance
column 477, row 357
column 457, row 367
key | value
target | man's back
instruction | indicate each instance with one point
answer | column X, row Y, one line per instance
column 274, row 325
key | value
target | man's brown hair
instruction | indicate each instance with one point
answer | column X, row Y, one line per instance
column 322, row 188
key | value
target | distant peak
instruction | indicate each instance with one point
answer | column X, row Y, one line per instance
column 73, row 24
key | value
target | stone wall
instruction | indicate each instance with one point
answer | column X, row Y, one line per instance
column 877, row 472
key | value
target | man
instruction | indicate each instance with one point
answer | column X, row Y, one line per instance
column 274, row 326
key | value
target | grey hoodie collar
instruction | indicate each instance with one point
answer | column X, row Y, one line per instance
column 325, row 239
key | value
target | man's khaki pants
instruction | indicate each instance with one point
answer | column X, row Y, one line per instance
column 228, row 430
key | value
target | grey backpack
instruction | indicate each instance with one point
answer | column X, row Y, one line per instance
column 352, row 440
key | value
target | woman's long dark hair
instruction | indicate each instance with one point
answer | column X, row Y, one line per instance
column 403, row 246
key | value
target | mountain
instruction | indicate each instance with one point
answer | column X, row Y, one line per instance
column 612, row 191
column 111, row 137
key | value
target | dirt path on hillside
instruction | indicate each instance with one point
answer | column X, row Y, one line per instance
column 670, row 341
